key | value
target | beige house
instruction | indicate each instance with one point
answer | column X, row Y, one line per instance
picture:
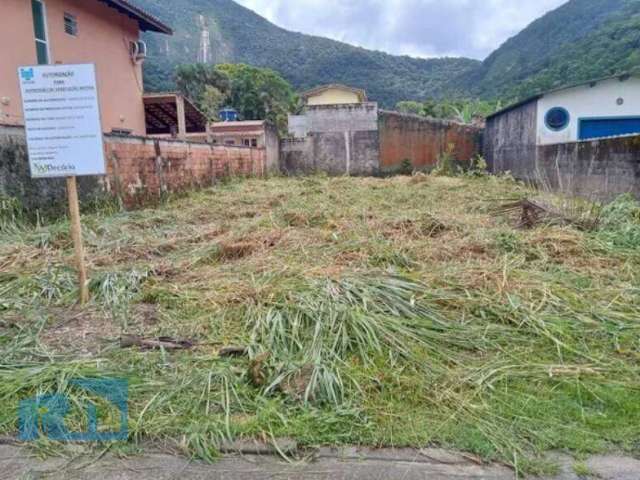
column 249, row 133
column 334, row 94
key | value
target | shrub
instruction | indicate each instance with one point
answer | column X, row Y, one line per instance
column 620, row 223
column 447, row 163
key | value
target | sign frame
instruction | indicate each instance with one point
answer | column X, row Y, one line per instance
column 98, row 112
column 72, row 187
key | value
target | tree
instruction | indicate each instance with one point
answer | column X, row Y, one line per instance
column 213, row 100
column 459, row 110
column 205, row 85
column 256, row 93
column 411, row 107
column 259, row 93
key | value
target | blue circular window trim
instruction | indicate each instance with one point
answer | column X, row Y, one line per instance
column 555, row 124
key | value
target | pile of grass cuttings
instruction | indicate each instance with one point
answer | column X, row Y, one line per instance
column 533, row 212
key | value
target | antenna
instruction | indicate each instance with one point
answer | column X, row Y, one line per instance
column 204, row 54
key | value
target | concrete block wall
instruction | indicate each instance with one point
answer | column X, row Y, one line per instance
column 139, row 170
column 598, row 170
column 296, row 156
column 360, row 117
column 335, row 139
column 422, row 141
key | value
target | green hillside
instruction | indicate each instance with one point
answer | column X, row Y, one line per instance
column 240, row 35
column 582, row 39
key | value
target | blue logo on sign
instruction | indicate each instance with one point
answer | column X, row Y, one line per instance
column 44, row 415
column 27, row 74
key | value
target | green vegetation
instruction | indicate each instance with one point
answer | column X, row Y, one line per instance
column 461, row 110
column 396, row 311
column 205, row 85
column 580, row 41
column 256, row 93
column 238, row 35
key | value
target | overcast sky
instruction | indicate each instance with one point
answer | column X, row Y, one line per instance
column 425, row 28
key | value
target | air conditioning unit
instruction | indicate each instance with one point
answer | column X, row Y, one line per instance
column 138, row 51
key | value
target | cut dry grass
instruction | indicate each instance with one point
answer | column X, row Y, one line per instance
column 377, row 311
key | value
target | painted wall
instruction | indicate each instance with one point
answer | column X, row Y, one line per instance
column 421, row 141
column 588, row 102
column 333, row 96
column 140, row 171
column 18, row 48
column 103, row 39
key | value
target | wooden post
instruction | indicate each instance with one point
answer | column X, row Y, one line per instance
column 76, row 233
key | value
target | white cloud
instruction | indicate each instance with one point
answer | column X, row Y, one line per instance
column 426, row 28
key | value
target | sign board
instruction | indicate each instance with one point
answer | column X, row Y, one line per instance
column 62, row 120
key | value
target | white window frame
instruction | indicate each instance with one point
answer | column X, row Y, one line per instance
column 46, row 42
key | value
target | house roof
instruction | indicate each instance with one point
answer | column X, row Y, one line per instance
column 146, row 21
column 622, row 77
column 323, row 88
column 161, row 113
column 244, row 126
column 241, row 123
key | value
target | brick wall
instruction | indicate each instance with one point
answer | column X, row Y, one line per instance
column 139, row 170
column 423, row 140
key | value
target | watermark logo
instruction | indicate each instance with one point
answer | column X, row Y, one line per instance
column 44, row 168
column 27, row 74
column 45, row 415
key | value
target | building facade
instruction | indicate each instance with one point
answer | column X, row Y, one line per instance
column 603, row 108
column 599, row 109
column 572, row 139
column 103, row 32
column 249, row 133
column 360, row 139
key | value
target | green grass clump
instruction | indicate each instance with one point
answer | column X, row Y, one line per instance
column 620, row 223
column 312, row 334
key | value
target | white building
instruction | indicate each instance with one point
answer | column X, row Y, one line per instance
column 608, row 107
column 605, row 108
column 573, row 139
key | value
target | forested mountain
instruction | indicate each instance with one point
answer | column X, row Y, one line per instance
column 239, row 35
column 582, row 39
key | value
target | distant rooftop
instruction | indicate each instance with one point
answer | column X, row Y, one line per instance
column 146, row 21
column 335, row 86
column 621, row 77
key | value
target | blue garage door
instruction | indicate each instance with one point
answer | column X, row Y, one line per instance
column 608, row 127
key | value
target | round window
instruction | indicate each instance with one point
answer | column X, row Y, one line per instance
column 557, row 118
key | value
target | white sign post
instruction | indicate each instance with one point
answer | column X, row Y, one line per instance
column 64, row 134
